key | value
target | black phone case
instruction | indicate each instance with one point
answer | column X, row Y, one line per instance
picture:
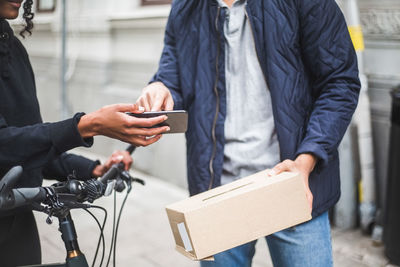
column 177, row 119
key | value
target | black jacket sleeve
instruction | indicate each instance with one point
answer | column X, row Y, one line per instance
column 67, row 164
column 36, row 145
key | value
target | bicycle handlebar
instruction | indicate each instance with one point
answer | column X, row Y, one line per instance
column 80, row 191
column 10, row 198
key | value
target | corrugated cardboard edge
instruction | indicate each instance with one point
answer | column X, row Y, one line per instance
column 190, row 256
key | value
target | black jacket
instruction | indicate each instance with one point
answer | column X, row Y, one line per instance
column 24, row 139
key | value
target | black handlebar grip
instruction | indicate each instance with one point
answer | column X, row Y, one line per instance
column 7, row 183
column 21, row 197
column 111, row 174
column 131, row 148
column 114, row 171
column 9, row 180
column 25, row 196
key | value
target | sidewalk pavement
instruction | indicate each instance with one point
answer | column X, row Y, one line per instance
column 145, row 238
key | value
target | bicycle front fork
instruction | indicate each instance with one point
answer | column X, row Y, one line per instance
column 75, row 258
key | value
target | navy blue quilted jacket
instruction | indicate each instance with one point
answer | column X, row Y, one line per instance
column 310, row 67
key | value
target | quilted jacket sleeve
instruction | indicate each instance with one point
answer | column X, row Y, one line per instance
column 168, row 68
column 330, row 58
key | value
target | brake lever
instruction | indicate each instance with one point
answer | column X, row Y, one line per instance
column 138, row 180
column 119, row 185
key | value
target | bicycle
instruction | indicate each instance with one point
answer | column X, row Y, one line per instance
column 58, row 199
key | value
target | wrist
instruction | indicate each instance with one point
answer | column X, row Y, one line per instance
column 158, row 83
column 88, row 126
column 98, row 171
column 306, row 162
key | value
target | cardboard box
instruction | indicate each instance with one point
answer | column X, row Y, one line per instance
column 237, row 213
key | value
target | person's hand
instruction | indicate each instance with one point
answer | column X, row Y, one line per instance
column 116, row 157
column 156, row 97
column 304, row 164
column 111, row 121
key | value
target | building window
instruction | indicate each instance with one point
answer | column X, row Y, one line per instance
column 155, row 2
column 45, row 5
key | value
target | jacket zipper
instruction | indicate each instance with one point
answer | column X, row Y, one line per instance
column 217, row 107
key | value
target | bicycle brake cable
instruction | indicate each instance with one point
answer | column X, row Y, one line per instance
column 101, row 237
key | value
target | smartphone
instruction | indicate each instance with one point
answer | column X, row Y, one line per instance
column 177, row 119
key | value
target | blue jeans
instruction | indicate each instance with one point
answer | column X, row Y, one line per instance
column 307, row 244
